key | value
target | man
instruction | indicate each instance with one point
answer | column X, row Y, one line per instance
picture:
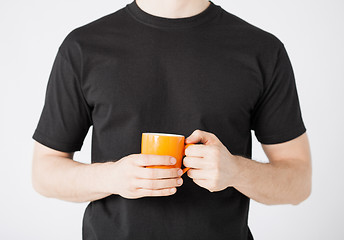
column 171, row 66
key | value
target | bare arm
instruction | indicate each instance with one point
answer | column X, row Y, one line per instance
column 285, row 179
column 56, row 175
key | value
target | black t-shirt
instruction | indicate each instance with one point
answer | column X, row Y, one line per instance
column 131, row 72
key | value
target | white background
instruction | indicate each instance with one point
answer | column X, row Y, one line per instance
column 312, row 31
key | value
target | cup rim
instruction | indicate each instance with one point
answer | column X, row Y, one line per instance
column 163, row 134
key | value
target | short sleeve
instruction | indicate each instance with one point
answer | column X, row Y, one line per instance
column 277, row 117
column 65, row 118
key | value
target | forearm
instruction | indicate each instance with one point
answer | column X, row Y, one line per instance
column 273, row 183
column 66, row 179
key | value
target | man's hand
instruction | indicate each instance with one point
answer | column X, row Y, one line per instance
column 286, row 179
column 135, row 180
column 212, row 166
column 55, row 174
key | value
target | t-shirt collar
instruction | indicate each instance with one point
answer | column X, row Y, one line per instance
column 206, row 15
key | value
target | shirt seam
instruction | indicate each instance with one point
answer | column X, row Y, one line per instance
column 285, row 133
column 47, row 139
column 171, row 28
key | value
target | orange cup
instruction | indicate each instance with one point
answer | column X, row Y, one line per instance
column 165, row 144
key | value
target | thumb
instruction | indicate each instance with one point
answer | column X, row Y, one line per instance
column 202, row 137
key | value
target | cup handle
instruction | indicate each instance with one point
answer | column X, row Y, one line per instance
column 185, row 147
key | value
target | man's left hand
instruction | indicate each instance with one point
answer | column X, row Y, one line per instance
column 211, row 165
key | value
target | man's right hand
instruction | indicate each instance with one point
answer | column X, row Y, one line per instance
column 132, row 179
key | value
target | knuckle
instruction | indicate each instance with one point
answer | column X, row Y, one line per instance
column 198, row 132
column 144, row 184
column 139, row 159
column 136, row 172
column 134, row 159
column 195, row 132
column 132, row 156
column 150, row 192
column 132, row 189
column 213, row 184
column 142, row 172
column 133, row 183
column 145, row 159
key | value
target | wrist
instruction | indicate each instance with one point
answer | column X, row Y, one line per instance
column 105, row 176
column 239, row 176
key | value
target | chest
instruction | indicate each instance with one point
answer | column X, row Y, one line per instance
column 186, row 75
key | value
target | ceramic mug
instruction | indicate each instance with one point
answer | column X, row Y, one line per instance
column 165, row 144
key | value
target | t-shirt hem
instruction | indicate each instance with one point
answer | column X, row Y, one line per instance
column 283, row 137
column 59, row 146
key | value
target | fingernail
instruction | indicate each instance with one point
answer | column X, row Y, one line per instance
column 179, row 181
column 180, row 172
column 173, row 160
column 173, row 190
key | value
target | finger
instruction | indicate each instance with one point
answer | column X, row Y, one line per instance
column 197, row 150
column 159, row 192
column 202, row 136
column 195, row 162
column 157, row 173
column 197, row 174
column 159, row 183
column 151, row 159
